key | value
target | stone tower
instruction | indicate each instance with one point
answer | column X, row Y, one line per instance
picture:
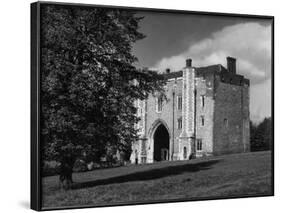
column 206, row 113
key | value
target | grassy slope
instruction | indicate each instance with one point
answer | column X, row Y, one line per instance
column 230, row 175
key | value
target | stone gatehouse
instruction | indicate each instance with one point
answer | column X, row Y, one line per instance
column 206, row 113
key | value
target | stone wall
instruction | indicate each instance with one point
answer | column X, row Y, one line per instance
column 225, row 112
column 230, row 118
column 165, row 116
column 204, row 88
column 246, row 118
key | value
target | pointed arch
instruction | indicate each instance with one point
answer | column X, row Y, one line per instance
column 155, row 125
column 159, row 141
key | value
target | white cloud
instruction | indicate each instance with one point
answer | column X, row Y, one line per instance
column 250, row 43
column 260, row 101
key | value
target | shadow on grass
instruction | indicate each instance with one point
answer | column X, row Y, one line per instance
column 149, row 175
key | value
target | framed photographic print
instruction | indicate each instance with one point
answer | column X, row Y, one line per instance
column 139, row 106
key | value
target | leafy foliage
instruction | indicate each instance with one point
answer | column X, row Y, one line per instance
column 89, row 82
column 261, row 135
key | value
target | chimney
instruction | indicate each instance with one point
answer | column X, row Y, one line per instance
column 188, row 62
column 168, row 70
column 231, row 64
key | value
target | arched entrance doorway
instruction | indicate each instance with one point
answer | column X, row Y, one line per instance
column 161, row 143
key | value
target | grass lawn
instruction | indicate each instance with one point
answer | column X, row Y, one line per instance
column 232, row 175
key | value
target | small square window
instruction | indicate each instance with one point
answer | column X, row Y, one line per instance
column 199, row 145
column 180, row 123
column 184, row 152
column 225, row 122
column 179, row 102
column 202, row 100
column 202, row 120
column 159, row 104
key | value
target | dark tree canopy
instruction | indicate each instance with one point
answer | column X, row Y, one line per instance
column 89, row 81
column 261, row 135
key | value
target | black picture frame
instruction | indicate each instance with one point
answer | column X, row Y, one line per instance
column 36, row 171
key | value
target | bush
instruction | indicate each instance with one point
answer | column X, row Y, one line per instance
column 80, row 166
column 261, row 135
column 50, row 168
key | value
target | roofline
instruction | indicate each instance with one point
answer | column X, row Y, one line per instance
column 216, row 68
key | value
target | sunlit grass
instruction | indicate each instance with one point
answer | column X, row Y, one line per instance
column 233, row 175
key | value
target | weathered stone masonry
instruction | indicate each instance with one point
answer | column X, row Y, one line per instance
column 206, row 113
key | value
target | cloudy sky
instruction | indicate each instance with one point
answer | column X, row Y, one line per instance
column 171, row 38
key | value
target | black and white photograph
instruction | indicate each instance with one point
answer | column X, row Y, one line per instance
column 140, row 106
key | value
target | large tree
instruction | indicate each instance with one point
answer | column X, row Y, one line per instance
column 89, row 83
column 261, row 135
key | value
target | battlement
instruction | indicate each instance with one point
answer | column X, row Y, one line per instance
column 225, row 75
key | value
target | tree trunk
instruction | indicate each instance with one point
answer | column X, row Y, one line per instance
column 66, row 175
